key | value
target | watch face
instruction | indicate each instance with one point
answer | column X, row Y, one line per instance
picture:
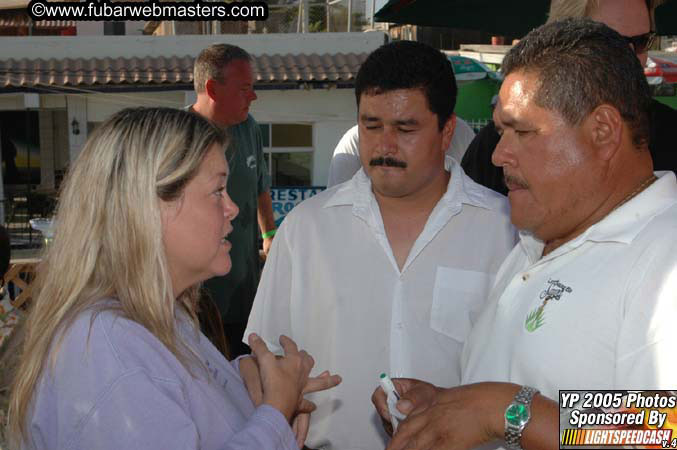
column 517, row 414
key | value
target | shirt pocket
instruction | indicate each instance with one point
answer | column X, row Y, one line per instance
column 458, row 296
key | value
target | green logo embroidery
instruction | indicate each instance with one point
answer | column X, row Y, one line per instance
column 536, row 318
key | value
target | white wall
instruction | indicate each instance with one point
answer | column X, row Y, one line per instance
column 92, row 28
column 94, row 46
column 19, row 101
column 100, row 106
column 89, row 28
column 330, row 111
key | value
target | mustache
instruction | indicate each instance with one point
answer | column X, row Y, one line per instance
column 388, row 162
column 512, row 180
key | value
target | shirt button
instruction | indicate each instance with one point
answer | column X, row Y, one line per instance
column 525, row 277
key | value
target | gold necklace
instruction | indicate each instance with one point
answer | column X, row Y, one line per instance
column 645, row 184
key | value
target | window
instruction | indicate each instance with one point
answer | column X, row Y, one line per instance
column 288, row 148
column 114, row 28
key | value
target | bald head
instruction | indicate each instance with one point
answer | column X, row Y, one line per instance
column 630, row 18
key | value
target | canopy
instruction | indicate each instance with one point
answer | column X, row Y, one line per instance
column 468, row 69
column 494, row 16
column 477, row 84
column 501, row 17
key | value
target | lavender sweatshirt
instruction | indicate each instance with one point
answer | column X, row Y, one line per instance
column 120, row 388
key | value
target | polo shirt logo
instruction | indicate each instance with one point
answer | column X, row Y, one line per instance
column 251, row 162
column 554, row 291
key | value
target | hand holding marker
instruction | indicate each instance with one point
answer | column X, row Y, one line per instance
column 392, row 399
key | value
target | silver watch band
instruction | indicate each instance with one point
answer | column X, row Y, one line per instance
column 513, row 434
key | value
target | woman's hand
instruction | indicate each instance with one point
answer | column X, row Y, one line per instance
column 282, row 379
column 251, row 376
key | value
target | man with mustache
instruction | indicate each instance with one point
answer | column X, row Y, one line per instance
column 345, row 161
column 588, row 298
column 385, row 273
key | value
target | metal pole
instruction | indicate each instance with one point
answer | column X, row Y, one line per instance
column 373, row 12
column 328, row 16
column 28, row 182
column 350, row 15
column 299, row 17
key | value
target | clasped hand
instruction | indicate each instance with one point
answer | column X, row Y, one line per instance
column 437, row 418
column 281, row 381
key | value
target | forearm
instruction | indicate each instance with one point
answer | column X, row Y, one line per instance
column 264, row 212
column 266, row 428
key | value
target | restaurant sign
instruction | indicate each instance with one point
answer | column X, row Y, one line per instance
column 285, row 198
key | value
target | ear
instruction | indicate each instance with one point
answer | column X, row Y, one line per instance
column 210, row 88
column 448, row 132
column 604, row 128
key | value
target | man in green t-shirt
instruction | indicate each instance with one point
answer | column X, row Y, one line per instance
column 224, row 84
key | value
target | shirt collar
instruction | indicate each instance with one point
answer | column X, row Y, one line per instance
column 628, row 220
column 460, row 190
column 620, row 225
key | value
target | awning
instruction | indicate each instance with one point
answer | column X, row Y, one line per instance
column 494, row 16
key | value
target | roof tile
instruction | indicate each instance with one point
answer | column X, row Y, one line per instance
column 92, row 72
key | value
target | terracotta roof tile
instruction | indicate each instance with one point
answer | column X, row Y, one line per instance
column 97, row 72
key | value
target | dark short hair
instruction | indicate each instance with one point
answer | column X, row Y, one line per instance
column 410, row 65
column 211, row 61
column 582, row 64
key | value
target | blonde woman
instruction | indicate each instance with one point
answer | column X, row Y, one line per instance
column 113, row 357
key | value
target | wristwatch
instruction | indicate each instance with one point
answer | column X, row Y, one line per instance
column 517, row 416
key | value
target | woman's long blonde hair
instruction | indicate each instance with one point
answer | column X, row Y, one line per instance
column 108, row 238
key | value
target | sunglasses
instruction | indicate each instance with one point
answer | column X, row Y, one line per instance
column 641, row 42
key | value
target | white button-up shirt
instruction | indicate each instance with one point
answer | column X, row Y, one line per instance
column 597, row 313
column 331, row 283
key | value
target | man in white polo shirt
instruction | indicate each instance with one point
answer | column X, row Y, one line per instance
column 386, row 272
column 588, row 298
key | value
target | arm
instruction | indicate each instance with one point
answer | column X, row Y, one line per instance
column 264, row 213
column 465, row 417
column 264, row 202
column 142, row 412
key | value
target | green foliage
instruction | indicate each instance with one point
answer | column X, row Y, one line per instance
column 535, row 319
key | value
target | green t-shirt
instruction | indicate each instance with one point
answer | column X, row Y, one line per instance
column 234, row 293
